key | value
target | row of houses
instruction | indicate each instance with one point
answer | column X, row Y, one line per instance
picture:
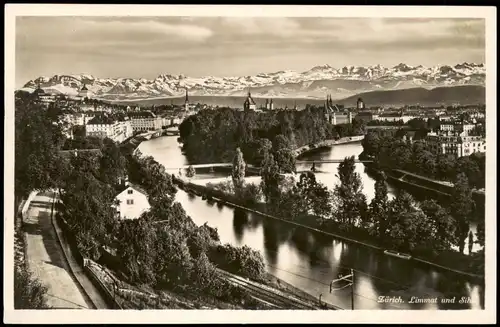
column 117, row 127
column 458, row 145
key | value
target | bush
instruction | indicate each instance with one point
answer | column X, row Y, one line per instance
column 242, row 261
column 251, row 194
column 29, row 293
column 190, row 172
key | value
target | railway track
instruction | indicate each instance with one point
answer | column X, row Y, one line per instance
column 268, row 296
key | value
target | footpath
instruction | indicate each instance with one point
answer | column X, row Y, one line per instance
column 46, row 259
column 51, row 261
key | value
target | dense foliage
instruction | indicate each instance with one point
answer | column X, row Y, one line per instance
column 390, row 152
column 213, row 135
column 29, row 293
column 37, row 144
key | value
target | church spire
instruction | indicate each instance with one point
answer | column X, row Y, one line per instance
column 187, row 97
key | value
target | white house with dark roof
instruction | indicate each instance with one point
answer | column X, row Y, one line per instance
column 132, row 202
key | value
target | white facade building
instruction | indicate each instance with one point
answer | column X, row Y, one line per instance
column 460, row 146
column 145, row 121
column 132, row 202
column 104, row 126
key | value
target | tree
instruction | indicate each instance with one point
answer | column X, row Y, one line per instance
column 148, row 173
column 480, row 233
column 112, row 163
column 352, row 202
column 471, row 242
column 238, row 173
column 406, row 220
column 445, row 169
column 371, row 143
column 379, row 207
column 190, row 172
column 285, row 158
column 88, row 208
column 136, row 246
column 314, row 195
column 29, row 293
column 441, row 226
column 270, row 179
column 37, row 144
column 461, row 208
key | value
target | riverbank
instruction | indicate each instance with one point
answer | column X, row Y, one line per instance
column 303, row 150
column 417, row 184
column 449, row 261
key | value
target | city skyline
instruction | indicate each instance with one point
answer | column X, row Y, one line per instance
column 144, row 47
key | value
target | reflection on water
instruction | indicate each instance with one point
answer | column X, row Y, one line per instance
column 310, row 261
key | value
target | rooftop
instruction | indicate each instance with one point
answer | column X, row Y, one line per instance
column 101, row 120
column 141, row 114
column 133, row 186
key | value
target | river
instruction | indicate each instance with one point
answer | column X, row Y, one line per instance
column 310, row 261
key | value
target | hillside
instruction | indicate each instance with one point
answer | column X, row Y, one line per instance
column 468, row 94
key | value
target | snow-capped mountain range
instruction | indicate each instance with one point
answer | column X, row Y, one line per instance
column 316, row 82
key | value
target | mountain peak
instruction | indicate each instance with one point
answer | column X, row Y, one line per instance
column 316, row 82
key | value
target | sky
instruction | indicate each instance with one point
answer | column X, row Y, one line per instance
column 227, row 46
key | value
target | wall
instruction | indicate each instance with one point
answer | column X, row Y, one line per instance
column 132, row 211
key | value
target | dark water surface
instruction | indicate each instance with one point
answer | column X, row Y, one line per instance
column 310, row 261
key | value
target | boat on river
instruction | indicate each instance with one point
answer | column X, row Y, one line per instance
column 398, row 254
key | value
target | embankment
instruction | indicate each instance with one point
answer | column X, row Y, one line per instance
column 232, row 201
column 420, row 184
column 327, row 144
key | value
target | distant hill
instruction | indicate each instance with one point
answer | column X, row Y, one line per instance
column 464, row 94
column 226, row 101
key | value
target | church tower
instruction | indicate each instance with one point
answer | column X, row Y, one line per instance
column 360, row 104
column 271, row 105
column 186, row 101
column 249, row 103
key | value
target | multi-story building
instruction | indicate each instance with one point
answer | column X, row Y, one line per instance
column 105, row 126
column 43, row 97
column 145, row 121
column 457, row 127
column 395, row 117
column 367, row 116
column 459, row 145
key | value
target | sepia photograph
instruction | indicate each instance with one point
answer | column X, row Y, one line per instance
column 280, row 163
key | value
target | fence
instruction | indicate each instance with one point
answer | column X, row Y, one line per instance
column 110, row 296
column 84, row 262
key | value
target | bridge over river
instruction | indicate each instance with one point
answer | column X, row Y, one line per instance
column 229, row 164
